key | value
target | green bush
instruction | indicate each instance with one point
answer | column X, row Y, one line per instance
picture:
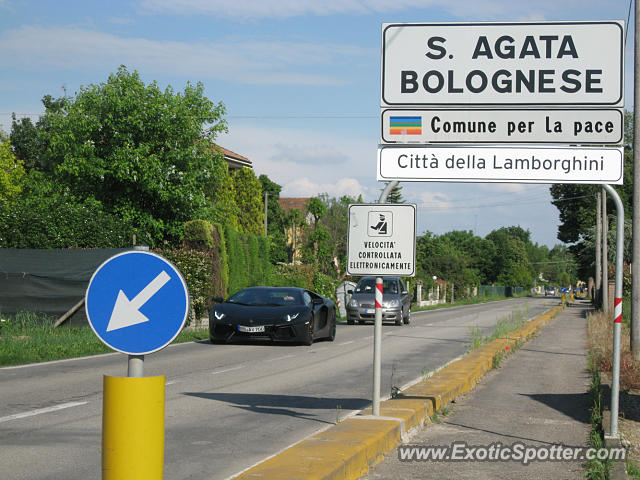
column 198, row 234
column 293, row 276
column 248, row 259
column 54, row 220
column 196, row 268
column 325, row 285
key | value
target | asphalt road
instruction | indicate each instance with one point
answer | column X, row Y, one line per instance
column 227, row 406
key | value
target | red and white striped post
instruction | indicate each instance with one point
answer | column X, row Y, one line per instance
column 377, row 348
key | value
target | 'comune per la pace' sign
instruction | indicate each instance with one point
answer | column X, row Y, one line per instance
column 525, row 63
column 502, row 164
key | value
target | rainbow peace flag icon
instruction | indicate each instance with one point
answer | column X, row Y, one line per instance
column 405, row 125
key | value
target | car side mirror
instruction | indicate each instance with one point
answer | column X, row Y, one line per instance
column 404, row 292
column 218, row 299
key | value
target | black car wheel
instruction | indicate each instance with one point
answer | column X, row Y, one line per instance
column 407, row 319
column 332, row 332
column 216, row 341
column 309, row 340
column 351, row 322
column 399, row 321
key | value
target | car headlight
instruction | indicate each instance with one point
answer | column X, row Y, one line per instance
column 354, row 303
column 219, row 315
column 291, row 316
column 393, row 303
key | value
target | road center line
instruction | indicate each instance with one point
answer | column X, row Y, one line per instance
column 227, row 370
column 41, row 410
column 346, row 343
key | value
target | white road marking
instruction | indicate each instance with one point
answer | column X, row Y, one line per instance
column 346, row 343
column 53, row 362
column 369, row 337
column 280, row 358
column 172, row 382
column 227, row 370
column 41, row 410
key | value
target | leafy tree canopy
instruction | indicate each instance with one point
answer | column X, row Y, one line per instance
column 143, row 153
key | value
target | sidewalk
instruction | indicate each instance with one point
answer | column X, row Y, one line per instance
column 537, row 397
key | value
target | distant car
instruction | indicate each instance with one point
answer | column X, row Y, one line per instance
column 286, row 314
column 396, row 304
column 551, row 291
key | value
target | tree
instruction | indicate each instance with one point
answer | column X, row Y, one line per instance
column 248, row 196
column 220, row 192
column 276, row 221
column 317, row 208
column 11, row 173
column 395, row 195
column 143, row 153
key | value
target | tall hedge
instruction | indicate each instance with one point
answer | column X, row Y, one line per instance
column 248, row 260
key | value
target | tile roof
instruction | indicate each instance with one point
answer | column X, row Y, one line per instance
column 289, row 203
column 233, row 157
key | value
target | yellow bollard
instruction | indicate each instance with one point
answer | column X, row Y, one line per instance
column 562, row 299
column 133, row 428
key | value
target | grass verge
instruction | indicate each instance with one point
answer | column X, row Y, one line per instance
column 31, row 338
column 596, row 469
column 502, row 328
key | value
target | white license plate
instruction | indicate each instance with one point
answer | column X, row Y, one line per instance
column 258, row 329
column 369, row 310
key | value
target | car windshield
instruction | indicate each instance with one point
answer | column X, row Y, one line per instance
column 267, row 296
column 368, row 285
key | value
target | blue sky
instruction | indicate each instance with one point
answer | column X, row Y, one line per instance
column 300, row 80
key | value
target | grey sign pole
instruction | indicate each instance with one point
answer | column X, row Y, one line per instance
column 605, row 254
column 635, row 238
column 135, row 366
column 377, row 332
column 617, row 325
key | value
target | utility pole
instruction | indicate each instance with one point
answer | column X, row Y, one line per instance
column 598, row 293
column 266, row 203
column 605, row 254
column 635, row 241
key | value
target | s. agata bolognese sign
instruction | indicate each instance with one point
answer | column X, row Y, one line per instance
column 522, row 63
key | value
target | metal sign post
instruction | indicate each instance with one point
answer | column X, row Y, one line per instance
column 377, row 348
column 617, row 325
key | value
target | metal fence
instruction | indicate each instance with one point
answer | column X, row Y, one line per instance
column 498, row 291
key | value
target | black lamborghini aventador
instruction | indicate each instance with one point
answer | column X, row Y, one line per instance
column 284, row 314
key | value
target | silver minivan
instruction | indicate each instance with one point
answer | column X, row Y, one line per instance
column 396, row 304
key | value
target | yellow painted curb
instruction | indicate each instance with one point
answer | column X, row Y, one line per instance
column 345, row 450
column 348, row 449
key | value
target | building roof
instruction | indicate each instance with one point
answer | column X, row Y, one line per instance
column 289, row 203
column 234, row 160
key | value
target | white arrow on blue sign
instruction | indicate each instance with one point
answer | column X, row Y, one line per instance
column 137, row 302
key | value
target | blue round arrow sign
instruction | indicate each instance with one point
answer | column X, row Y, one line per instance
column 137, row 302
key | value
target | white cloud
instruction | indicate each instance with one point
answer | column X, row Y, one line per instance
column 235, row 60
column 504, row 187
column 288, row 155
column 256, row 9
column 437, row 201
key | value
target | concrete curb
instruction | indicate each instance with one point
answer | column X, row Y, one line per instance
column 348, row 449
